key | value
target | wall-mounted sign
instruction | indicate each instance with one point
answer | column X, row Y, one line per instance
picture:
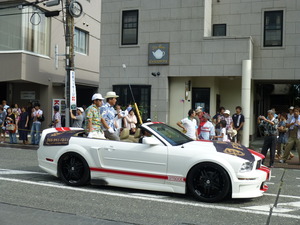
column 28, row 95
column 158, row 53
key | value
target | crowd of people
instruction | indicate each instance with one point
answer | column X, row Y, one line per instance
column 99, row 120
column 281, row 132
column 21, row 120
column 222, row 127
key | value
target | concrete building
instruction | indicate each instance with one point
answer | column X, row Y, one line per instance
column 210, row 53
column 30, row 70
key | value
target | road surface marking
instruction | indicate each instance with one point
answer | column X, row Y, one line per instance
column 167, row 201
column 147, row 195
column 281, row 207
column 17, row 172
column 269, row 183
column 282, row 196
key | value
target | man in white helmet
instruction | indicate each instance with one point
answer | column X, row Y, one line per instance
column 93, row 118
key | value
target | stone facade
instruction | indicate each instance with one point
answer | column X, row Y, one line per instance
column 197, row 55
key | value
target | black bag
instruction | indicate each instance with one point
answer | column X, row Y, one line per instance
column 41, row 118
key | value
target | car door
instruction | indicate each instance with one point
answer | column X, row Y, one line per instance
column 127, row 160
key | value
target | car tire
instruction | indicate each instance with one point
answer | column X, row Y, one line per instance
column 74, row 170
column 208, row 182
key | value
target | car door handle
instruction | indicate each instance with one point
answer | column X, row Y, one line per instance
column 110, row 149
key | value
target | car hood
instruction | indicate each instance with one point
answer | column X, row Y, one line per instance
column 229, row 148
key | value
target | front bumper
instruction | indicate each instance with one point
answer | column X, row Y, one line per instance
column 251, row 184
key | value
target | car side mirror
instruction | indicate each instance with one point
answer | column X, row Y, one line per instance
column 151, row 141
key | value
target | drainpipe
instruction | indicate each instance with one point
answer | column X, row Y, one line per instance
column 246, row 99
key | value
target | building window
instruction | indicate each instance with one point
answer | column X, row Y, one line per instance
column 142, row 96
column 130, row 27
column 27, row 29
column 219, row 29
column 273, row 28
column 81, row 41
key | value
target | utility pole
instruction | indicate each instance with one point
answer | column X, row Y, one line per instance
column 72, row 9
column 69, row 57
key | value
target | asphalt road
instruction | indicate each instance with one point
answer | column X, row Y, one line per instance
column 29, row 196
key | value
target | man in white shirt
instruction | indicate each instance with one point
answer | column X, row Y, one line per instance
column 36, row 115
column 189, row 125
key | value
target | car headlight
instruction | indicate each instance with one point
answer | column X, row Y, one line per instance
column 246, row 167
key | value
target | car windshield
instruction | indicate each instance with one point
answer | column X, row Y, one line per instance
column 170, row 134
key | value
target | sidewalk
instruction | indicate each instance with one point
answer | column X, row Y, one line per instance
column 19, row 144
column 289, row 164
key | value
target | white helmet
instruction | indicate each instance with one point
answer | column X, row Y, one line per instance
column 97, row 96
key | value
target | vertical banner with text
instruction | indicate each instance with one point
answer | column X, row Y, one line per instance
column 73, row 101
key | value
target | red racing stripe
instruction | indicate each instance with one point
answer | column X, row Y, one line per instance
column 136, row 174
column 265, row 169
column 63, row 129
column 256, row 153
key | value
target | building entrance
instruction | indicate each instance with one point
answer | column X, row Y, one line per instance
column 278, row 96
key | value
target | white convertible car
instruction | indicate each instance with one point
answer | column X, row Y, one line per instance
column 162, row 159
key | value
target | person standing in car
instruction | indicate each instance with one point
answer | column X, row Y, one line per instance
column 108, row 116
column 93, row 118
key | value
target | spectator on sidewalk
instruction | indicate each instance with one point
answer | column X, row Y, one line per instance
column 4, row 104
column 217, row 119
column 294, row 135
column 189, row 125
column 291, row 113
column 16, row 111
column 198, row 111
column 78, row 119
column 207, row 130
column 238, row 123
column 282, row 135
column 23, row 125
column 37, row 118
column 223, row 134
column 2, row 124
column 29, row 111
column 11, row 119
column 269, row 126
column 56, row 118
column 119, row 116
column 131, row 121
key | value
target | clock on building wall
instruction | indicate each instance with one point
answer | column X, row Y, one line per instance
column 75, row 8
